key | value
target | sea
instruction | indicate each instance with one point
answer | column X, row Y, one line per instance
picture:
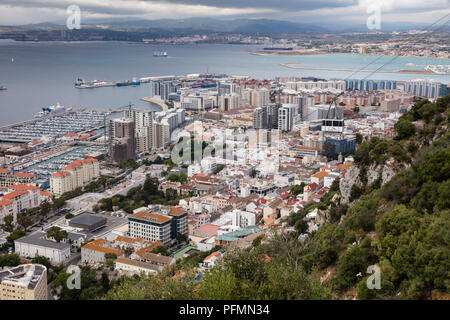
column 41, row 74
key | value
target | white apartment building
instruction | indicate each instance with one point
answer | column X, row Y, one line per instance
column 77, row 174
column 19, row 198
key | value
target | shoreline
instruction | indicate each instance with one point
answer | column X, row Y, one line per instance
column 157, row 102
column 310, row 53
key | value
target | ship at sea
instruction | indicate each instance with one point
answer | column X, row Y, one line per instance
column 83, row 84
column 160, row 54
column 133, row 82
column 3, row 88
column 52, row 110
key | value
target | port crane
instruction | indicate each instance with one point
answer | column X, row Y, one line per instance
column 105, row 144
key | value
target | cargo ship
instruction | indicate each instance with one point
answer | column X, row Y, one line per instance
column 3, row 88
column 82, row 84
column 160, row 54
column 133, row 82
column 47, row 111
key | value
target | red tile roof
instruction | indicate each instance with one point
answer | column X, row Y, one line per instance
column 14, row 194
column 24, row 175
column 22, row 187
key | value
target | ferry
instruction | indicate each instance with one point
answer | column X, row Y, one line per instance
column 160, row 54
column 82, row 84
column 46, row 111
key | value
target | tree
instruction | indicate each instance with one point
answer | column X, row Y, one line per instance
column 24, row 220
column 328, row 149
column 45, row 208
column 42, row 260
column 297, row 189
column 9, row 260
column 362, row 153
column 163, row 250
column 219, row 283
column 219, row 168
column 110, row 258
column 8, row 223
column 57, row 233
column 15, row 235
column 404, row 129
column 105, row 282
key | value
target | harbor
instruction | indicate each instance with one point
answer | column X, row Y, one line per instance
column 53, row 126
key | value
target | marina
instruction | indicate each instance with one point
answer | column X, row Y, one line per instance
column 43, row 167
column 53, row 126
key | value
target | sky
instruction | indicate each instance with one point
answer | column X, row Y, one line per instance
column 348, row 12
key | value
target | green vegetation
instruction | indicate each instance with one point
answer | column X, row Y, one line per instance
column 9, row 260
column 140, row 196
column 128, row 163
column 110, row 259
column 181, row 177
column 57, row 233
column 92, row 285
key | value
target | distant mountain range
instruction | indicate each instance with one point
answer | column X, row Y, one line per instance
column 216, row 25
column 243, row 26
column 203, row 24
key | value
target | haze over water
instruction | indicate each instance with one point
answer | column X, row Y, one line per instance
column 43, row 73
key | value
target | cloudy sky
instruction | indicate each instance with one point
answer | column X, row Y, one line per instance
column 14, row 12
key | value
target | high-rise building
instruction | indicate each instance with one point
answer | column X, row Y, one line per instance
column 266, row 117
column 260, row 118
column 426, row 88
column 369, row 85
column 259, row 97
column 286, row 115
column 161, row 89
column 121, row 139
column 24, row 282
column 228, row 101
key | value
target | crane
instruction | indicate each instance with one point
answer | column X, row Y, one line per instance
column 104, row 126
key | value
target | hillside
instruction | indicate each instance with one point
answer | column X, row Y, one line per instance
column 390, row 210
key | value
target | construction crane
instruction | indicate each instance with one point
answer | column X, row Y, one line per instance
column 105, row 126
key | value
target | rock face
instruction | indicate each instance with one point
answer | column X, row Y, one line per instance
column 373, row 172
column 345, row 184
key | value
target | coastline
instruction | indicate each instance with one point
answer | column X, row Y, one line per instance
column 312, row 53
column 292, row 65
column 157, row 102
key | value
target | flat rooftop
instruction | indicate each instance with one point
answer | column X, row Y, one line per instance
column 39, row 239
column 88, row 219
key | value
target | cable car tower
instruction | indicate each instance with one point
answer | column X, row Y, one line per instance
column 334, row 125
